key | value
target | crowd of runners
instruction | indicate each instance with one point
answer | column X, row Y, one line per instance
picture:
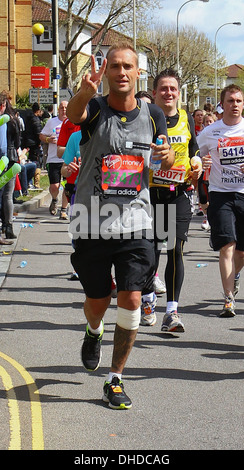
column 122, row 212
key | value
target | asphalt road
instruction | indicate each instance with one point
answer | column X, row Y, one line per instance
column 186, row 389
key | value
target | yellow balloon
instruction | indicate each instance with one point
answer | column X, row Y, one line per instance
column 38, row 29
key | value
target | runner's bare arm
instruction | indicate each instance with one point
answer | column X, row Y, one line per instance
column 76, row 110
column 68, row 169
column 206, row 162
column 60, row 151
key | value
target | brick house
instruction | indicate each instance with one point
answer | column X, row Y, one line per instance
column 15, row 45
column 16, row 52
column 206, row 94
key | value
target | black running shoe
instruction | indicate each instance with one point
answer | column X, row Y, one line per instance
column 114, row 395
column 91, row 353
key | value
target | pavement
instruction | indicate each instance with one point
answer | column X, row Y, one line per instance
column 186, row 389
column 20, row 211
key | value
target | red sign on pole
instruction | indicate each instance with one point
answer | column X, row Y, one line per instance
column 40, row 77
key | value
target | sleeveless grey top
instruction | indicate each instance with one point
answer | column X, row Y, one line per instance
column 112, row 195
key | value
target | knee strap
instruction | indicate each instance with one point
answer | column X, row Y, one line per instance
column 128, row 319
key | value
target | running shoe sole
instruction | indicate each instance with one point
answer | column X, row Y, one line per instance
column 227, row 314
column 122, row 406
column 173, row 328
column 148, row 321
column 228, row 309
column 175, row 325
column 92, row 370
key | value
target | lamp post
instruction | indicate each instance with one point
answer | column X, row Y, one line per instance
column 55, row 57
column 38, row 30
column 237, row 23
column 134, row 24
column 177, row 32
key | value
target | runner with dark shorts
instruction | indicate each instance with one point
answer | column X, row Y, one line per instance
column 112, row 222
column 222, row 149
column 172, row 190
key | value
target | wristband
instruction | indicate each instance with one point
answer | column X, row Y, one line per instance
column 47, row 140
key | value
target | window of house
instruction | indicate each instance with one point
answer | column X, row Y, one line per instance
column 48, row 33
column 210, row 100
column 143, row 82
column 99, row 59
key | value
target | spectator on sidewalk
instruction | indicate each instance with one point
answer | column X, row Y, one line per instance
column 28, row 170
column 3, row 152
column 31, row 139
column 11, row 141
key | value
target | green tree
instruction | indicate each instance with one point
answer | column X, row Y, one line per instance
column 240, row 79
column 196, row 55
column 111, row 13
column 37, row 63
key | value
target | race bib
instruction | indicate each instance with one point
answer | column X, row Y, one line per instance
column 231, row 150
column 122, row 174
column 176, row 174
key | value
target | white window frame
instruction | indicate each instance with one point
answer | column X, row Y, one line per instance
column 184, row 94
column 48, row 32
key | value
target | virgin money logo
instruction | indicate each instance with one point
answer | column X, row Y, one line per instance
column 113, row 162
column 223, row 142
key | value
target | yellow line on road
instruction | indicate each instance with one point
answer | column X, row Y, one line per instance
column 15, row 439
column 36, row 411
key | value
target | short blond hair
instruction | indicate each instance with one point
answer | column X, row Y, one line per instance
column 121, row 47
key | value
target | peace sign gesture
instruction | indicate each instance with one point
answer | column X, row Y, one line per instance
column 76, row 110
column 91, row 81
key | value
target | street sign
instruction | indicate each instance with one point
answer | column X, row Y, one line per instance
column 45, row 96
column 40, row 77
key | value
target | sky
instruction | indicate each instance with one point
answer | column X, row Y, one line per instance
column 207, row 18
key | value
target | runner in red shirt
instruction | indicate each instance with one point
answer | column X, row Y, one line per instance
column 66, row 130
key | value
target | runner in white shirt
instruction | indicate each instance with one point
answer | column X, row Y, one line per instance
column 222, row 149
column 49, row 135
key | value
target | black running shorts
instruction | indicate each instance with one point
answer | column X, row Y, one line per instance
column 226, row 218
column 54, row 172
column 184, row 209
column 133, row 262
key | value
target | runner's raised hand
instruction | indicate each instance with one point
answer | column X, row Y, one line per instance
column 76, row 109
column 91, row 81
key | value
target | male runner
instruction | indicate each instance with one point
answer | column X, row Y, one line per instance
column 172, row 187
column 223, row 142
column 112, row 203
column 49, row 135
